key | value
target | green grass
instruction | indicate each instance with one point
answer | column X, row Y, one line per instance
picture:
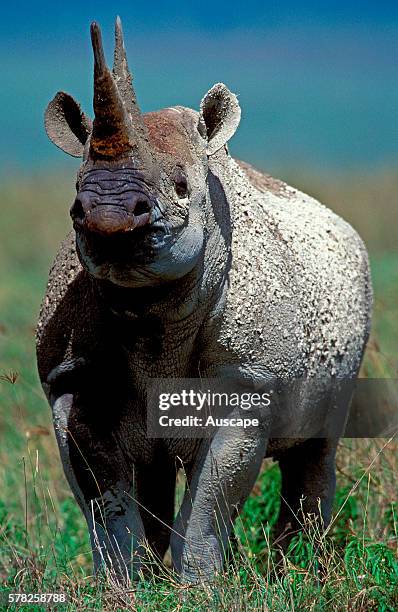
column 43, row 539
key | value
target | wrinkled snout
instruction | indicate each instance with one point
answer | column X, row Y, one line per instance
column 110, row 215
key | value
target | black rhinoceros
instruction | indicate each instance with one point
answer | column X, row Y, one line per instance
column 186, row 263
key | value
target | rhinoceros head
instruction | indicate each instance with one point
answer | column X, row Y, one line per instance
column 139, row 212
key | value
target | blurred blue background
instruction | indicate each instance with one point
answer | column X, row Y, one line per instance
column 317, row 81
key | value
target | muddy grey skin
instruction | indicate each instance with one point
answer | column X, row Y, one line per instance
column 184, row 262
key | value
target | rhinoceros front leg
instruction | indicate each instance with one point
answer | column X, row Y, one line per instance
column 96, row 473
column 221, row 479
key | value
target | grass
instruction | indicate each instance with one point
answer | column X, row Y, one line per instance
column 43, row 539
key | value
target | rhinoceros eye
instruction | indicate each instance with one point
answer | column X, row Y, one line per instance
column 180, row 183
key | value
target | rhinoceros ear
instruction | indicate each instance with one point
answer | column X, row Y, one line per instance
column 219, row 117
column 66, row 124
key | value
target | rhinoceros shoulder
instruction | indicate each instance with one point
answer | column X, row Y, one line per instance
column 68, row 319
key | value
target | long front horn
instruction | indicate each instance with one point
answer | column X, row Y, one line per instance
column 112, row 135
column 123, row 77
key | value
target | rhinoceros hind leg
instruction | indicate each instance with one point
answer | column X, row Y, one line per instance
column 156, row 488
column 308, row 486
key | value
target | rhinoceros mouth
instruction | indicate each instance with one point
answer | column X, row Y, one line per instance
column 110, row 220
column 150, row 255
column 137, row 244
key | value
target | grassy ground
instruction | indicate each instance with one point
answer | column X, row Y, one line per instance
column 43, row 541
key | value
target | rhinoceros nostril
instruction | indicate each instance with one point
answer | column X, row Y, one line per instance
column 77, row 210
column 142, row 206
